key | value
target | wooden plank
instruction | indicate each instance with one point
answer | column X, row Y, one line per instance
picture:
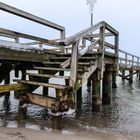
column 89, row 48
column 29, row 16
column 7, row 54
column 57, row 86
column 86, row 75
column 12, row 87
column 79, row 58
column 111, row 29
column 48, row 76
column 56, row 69
column 98, row 35
column 41, row 100
column 51, row 68
column 66, row 63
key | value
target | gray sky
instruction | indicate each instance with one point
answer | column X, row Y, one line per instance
column 74, row 16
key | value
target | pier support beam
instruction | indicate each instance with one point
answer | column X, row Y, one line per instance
column 89, row 84
column 130, row 76
column 22, row 107
column 114, row 85
column 7, row 94
column 123, row 75
column 96, row 93
column 107, row 88
column 79, row 98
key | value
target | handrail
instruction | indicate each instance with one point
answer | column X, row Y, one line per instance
column 87, row 31
column 29, row 16
column 79, row 48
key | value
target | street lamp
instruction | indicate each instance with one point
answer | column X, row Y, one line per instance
column 91, row 4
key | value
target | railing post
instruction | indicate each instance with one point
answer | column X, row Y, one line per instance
column 101, row 51
column 138, row 61
column 132, row 61
column 126, row 57
column 117, row 45
column 74, row 65
column 62, row 36
column 17, row 39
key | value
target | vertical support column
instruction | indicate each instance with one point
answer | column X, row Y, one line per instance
column 107, row 88
column 123, row 75
column 114, row 85
column 79, row 97
column 7, row 94
column 22, row 107
column 96, row 93
column 46, row 80
column 131, row 76
column 89, row 85
column 62, row 36
column 23, row 76
column 139, row 76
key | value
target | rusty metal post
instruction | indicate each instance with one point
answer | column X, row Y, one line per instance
column 96, row 93
column 107, row 88
column 57, row 122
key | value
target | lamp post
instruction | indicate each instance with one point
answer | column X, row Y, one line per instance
column 91, row 4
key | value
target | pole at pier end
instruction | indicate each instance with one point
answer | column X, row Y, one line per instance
column 91, row 4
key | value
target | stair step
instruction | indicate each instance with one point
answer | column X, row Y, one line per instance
column 48, row 76
column 79, row 63
column 81, row 58
column 56, row 86
column 57, row 69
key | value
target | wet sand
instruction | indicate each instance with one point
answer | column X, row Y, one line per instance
column 29, row 134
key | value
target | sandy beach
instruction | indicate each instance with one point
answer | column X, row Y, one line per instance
column 29, row 134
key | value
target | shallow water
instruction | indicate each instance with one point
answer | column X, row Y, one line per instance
column 122, row 117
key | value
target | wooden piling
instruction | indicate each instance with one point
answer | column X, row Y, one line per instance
column 79, row 97
column 96, row 93
column 130, row 76
column 89, row 85
column 22, row 107
column 123, row 75
column 114, row 85
column 57, row 122
column 107, row 88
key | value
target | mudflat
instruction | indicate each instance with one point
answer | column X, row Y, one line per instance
column 29, row 134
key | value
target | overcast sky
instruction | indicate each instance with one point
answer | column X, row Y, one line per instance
column 74, row 16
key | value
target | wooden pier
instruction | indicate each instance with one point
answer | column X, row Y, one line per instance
column 91, row 56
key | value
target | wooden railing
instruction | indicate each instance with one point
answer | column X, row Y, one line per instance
column 90, row 41
column 37, row 40
column 127, row 60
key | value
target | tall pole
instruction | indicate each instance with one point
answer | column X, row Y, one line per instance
column 91, row 4
column 91, row 19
